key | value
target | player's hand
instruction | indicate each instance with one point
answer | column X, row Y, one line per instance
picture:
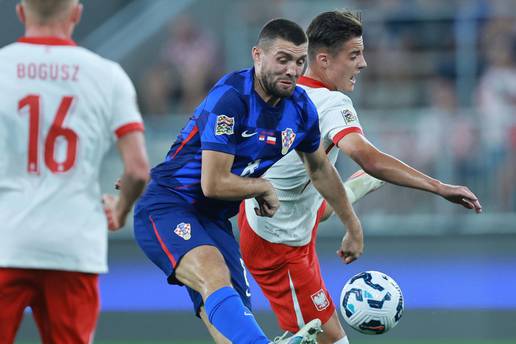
column 352, row 245
column 460, row 195
column 268, row 203
column 115, row 219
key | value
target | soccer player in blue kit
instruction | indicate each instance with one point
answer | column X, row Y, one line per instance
column 248, row 121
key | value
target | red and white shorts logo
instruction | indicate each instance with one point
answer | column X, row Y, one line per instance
column 320, row 300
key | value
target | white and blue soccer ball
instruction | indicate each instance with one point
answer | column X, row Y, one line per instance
column 371, row 302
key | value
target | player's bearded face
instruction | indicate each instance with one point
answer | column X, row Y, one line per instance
column 280, row 68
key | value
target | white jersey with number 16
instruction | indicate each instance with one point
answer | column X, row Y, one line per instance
column 61, row 108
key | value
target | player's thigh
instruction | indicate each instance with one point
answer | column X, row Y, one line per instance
column 268, row 264
column 68, row 308
column 306, row 283
column 203, row 269
column 166, row 235
column 18, row 288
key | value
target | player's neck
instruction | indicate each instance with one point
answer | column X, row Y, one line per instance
column 318, row 76
column 59, row 30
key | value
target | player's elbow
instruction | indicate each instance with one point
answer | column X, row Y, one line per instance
column 370, row 166
column 367, row 160
column 138, row 171
column 210, row 188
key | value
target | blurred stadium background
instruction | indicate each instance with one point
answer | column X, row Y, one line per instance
column 439, row 93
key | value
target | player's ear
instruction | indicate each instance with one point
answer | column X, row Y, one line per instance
column 20, row 11
column 322, row 59
column 76, row 13
column 257, row 55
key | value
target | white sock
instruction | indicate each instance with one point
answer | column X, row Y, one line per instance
column 343, row 340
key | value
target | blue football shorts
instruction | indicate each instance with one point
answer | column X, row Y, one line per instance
column 167, row 232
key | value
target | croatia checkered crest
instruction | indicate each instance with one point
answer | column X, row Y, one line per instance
column 371, row 302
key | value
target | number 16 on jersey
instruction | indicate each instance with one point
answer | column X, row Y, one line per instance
column 33, row 103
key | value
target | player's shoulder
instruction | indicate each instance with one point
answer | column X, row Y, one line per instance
column 299, row 95
column 303, row 102
column 8, row 48
column 227, row 95
column 231, row 86
column 98, row 60
column 326, row 98
column 236, row 81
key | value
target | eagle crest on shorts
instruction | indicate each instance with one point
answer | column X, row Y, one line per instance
column 183, row 230
column 320, row 300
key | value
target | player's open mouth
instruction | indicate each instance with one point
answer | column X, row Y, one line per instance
column 286, row 83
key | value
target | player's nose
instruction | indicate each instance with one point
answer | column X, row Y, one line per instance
column 293, row 70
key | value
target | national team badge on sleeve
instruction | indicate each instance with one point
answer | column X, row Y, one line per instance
column 183, row 230
column 225, row 125
column 287, row 138
column 320, row 300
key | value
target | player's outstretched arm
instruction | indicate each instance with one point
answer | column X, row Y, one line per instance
column 388, row 168
column 132, row 182
column 327, row 181
column 217, row 181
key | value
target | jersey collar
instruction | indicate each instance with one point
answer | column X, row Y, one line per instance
column 47, row 41
column 307, row 81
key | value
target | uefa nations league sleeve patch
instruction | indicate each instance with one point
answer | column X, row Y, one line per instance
column 225, row 125
column 349, row 117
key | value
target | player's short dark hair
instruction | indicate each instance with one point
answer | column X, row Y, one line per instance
column 283, row 29
column 330, row 30
column 47, row 10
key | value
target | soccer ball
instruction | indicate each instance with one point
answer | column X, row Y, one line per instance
column 371, row 302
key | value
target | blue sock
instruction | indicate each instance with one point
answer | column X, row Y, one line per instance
column 227, row 313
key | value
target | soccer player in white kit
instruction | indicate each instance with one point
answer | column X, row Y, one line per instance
column 280, row 251
column 62, row 107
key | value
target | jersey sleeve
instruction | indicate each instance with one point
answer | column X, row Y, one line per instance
column 219, row 120
column 313, row 135
column 339, row 120
column 125, row 115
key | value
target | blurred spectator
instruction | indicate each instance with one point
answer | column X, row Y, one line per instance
column 188, row 65
column 446, row 136
column 496, row 96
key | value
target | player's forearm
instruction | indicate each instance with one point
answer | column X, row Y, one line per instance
column 234, row 188
column 328, row 183
column 132, row 185
column 392, row 170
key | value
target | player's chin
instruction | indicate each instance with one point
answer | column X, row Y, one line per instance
column 348, row 87
column 284, row 90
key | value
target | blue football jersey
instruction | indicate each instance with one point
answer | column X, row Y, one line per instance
column 234, row 119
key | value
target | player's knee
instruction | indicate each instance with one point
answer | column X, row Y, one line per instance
column 204, row 270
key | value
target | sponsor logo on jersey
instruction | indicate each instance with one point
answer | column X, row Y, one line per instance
column 320, row 300
column 349, row 117
column 183, row 230
column 225, row 125
column 287, row 139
